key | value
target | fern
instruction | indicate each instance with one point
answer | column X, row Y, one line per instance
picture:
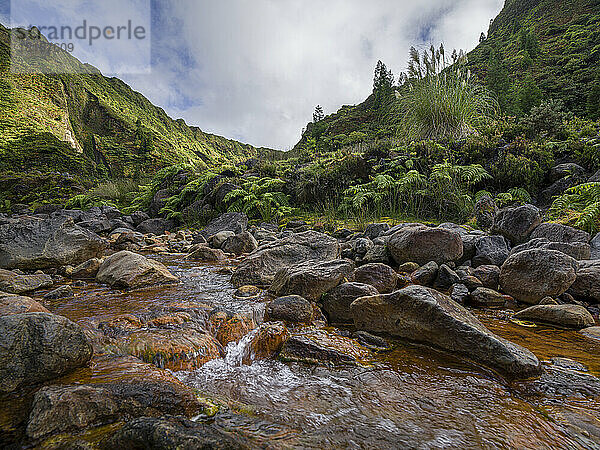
column 579, row 206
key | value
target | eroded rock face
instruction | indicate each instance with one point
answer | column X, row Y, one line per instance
column 15, row 283
column 40, row 244
column 260, row 267
column 291, row 309
column 36, row 347
column 127, row 270
column 337, row 301
column 587, row 282
column 568, row 316
column 531, row 275
column 517, row 224
column 424, row 315
column 421, row 244
column 381, row 276
column 311, row 280
column 16, row 304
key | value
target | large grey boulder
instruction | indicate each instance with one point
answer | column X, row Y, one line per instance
column 380, row 276
column 17, row 304
column 556, row 232
column 577, row 250
column 291, row 309
column 568, row 316
column 156, row 226
column 16, row 283
column 421, row 244
column 311, row 280
column 336, row 302
column 517, row 224
column 587, row 283
column 260, row 267
column 127, row 270
column 485, row 212
column 40, row 244
column 36, row 347
column 240, row 243
column 531, row 275
column 595, row 247
column 231, row 221
column 427, row 316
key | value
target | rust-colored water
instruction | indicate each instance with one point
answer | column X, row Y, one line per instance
column 412, row 397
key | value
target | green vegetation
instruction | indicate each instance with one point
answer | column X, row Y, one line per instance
column 579, row 206
column 260, row 198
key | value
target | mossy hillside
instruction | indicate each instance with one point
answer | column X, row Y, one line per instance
column 120, row 132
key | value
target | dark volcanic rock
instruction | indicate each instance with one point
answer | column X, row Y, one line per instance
column 15, row 283
column 232, row 221
column 155, row 226
column 381, row 276
column 36, row 347
column 337, row 301
column 40, row 244
column 292, row 309
column 517, row 224
column 421, row 244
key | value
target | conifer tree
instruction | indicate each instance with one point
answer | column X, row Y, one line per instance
column 318, row 115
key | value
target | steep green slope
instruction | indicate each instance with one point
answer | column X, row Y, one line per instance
column 93, row 126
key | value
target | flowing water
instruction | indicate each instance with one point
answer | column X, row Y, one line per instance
column 411, row 397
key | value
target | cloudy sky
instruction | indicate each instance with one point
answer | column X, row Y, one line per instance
column 253, row 70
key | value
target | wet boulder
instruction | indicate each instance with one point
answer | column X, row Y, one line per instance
column 556, row 232
column 41, row 244
column 381, row 276
column 217, row 240
column 421, row 244
column 459, row 293
column 261, row 266
column 485, row 212
column 311, row 280
column 17, row 304
column 336, row 302
column 568, row 316
column 290, row 309
column 231, row 221
column 205, row 254
column 60, row 292
column 427, row 316
column 127, row 270
column 446, row 277
column 86, row 270
column 227, row 327
column 587, row 283
column 592, row 332
column 517, row 224
column 489, row 276
column 488, row 298
column 36, row 347
column 314, row 346
column 16, row 283
column 266, row 342
column 425, row 275
column 531, row 275
column 240, row 243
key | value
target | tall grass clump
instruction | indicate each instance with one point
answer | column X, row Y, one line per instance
column 441, row 101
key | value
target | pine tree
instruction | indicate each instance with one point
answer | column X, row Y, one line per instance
column 383, row 83
column 530, row 95
column 318, row 115
column 482, row 37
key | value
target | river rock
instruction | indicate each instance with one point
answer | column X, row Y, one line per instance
column 266, row 342
column 173, row 349
column 531, row 275
column 205, row 254
column 86, row 270
column 488, row 298
column 60, row 292
column 459, row 293
column 72, row 408
column 556, row 232
column 421, row 244
column 217, row 240
column 40, row 244
column 260, row 267
column 174, row 432
column 231, row 221
column 587, row 282
column 291, row 309
column 374, row 230
column 311, row 280
column 568, row 316
column 240, row 243
column 16, row 304
column 378, row 253
column 127, row 270
column 36, row 347
column 446, row 277
column 489, row 276
column 591, row 332
column 425, row 275
column 424, row 315
column 227, row 327
column 15, row 283
column 576, row 250
column 517, row 224
column 322, row 347
column 490, row 250
column 337, row 302
column 247, row 292
column 381, row 276
column 485, row 211
column 156, row 226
